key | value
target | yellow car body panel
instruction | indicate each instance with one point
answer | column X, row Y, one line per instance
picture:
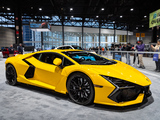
column 54, row 78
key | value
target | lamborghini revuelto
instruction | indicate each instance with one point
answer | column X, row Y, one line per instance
column 84, row 76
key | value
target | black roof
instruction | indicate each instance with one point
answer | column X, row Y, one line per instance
column 89, row 9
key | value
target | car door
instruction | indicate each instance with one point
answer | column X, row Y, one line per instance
column 45, row 70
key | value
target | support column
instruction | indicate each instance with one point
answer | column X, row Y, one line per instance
column 93, row 42
column 99, row 36
column 42, row 46
column 154, row 35
column 114, row 33
column 80, row 42
column 18, row 25
column 34, row 39
column 62, row 33
column 127, row 36
column 82, row 35
column 106, row 41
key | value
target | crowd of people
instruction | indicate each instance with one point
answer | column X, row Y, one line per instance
column 138, row 47
column 11, row 50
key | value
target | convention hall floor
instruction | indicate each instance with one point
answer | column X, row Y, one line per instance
column 25, row 102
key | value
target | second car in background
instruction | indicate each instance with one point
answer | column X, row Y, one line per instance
column 69, row 47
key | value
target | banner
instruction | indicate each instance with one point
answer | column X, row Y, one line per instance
column 154, row 19
column 37, row 26
column 142, row 34
column 137, row 34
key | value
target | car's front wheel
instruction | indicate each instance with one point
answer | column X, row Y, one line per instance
column 80, row 88
column 11, row 75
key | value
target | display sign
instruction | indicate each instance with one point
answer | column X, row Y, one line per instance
column 154, row 19
column 137, row 34
column 39, row 26
column 142, row 34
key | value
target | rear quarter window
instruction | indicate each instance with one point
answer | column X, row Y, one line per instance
column 36, row 56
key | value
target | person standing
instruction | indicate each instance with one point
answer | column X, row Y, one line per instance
column 140, row 48
column 20, row 49
column 11, row 51
column 128, row 48
column 102, row 50
column 135, row 54
column 157, row 49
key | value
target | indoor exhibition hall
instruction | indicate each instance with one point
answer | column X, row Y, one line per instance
column 79, row 60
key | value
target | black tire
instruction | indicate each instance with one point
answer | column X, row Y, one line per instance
column 11, row 75
column 80, row 89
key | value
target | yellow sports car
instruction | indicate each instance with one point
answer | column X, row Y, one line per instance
column 85, row 76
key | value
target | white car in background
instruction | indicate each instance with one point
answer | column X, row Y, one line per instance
column 69, row 47
column 1, row 55
column 72, row 47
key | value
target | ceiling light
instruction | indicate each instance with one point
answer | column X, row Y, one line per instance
column 102, row 9
column 113, row 21
column 97, row 16
column 121, row 16
column 131, row 9
column 72, row 16
column 71, row 9
column 136, row 27
column 3, row 7
column 142, row 25
column 8, row 9
column 31, row 7
column 40, row 8
column 145, row 16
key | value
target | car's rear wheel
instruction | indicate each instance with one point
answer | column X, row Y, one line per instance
column 80, row 88
column 11, row 75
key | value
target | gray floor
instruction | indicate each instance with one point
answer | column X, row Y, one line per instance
column 24, row 102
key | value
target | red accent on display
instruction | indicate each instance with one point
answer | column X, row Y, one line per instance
column 17, row 32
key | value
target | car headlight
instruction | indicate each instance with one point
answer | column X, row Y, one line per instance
column 121, row 84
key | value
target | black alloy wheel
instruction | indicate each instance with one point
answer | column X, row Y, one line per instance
column 80, row 89
column 11, row 75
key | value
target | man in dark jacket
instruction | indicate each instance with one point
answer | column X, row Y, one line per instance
column 11, row 51
column 140, row 48
column 20, row 49
column 128, row 48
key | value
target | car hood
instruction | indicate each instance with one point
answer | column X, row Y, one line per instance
column 121, row 71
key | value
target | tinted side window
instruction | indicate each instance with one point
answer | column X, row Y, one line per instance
column 49, row 57
column 67, row 62
column 60, row 48
column 36, row 56
column 68, row 47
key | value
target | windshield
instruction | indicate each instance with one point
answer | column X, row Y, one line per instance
column 83, row 57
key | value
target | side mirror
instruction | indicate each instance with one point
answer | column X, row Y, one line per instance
column 57, row 61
